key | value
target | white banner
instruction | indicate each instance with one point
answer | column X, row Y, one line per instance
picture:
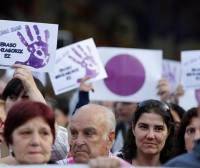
column 190, row 62
column 188, row 100
column 133, row 74
column 74, row 62
column 28, row 43
column 172, row 72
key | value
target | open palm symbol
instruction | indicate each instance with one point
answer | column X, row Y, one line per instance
column 39, row 54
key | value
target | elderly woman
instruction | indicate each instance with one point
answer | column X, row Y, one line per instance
column 30, row 132
column 23, row 86
column 150, row 139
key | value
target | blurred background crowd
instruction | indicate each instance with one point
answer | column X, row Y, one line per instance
column 169, row 25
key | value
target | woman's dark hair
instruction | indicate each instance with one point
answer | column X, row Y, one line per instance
column 178, row 109
column 180, row 141
column 62, row 104
column 15, row 87
column 24, row 111
column 162, row 109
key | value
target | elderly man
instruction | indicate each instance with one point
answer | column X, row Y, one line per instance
column 92, row 129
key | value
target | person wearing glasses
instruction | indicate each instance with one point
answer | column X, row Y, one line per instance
column 150, row 139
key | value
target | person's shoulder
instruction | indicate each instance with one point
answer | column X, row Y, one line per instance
column 122, row 162
column 62, row 135
column 62, row 129
column 61, row 146
column 184, row 160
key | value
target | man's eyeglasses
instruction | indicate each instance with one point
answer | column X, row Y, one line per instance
column 161, row 104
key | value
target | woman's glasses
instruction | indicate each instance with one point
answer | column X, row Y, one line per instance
column 147, row 103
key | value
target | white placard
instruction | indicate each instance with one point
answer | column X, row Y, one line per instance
column 74, row 62
column 28, row 43
column 190, row 63
column 133, row 74
column 172, row 72
column 188, row 100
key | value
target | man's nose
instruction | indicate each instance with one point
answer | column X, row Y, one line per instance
column 79, row 140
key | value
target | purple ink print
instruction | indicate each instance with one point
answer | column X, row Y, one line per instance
column 126, row 75
column 197, row 96
column 86, row 60
column 169, row 72
column 39, row 54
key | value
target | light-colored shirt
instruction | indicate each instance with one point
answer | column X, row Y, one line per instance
column 60, row 147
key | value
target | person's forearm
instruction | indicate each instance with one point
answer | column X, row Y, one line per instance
column 83, row 100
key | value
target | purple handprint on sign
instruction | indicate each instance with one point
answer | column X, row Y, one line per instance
column 197, row 96
column 86, row 61
column 39, row 55
column 169, row 72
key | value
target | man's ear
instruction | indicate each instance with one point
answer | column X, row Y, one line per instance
column 111, row 138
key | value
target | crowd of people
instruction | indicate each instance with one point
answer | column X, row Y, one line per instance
column 37, row 130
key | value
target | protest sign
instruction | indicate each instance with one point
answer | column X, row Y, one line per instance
column 188, row 99
column 28, row 43
column 133, row 74
column 171, row 70
column 74, row 62
column 190, row 61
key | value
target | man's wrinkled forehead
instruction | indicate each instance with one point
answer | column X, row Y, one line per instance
column 87, row 119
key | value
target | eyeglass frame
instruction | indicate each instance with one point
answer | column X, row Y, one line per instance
column 146, row 103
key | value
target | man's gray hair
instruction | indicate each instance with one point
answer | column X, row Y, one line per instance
column 110, row 121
